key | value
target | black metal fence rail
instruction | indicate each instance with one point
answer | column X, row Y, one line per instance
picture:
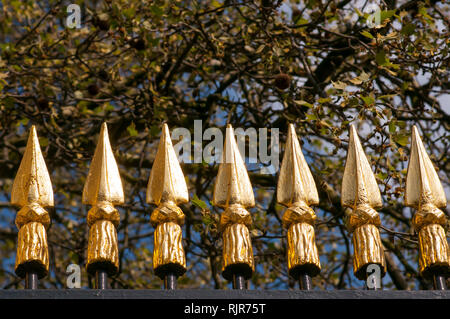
column 220, row 294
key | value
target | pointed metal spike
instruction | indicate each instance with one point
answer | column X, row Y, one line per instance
column 232, row 185
column 32, row 183
column 295, row 182
column 103, row 183
column 422, row 182
column 359, row 185
column 166, row 181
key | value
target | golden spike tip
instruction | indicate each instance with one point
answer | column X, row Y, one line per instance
column 32, row 183
column 166, row 181
column 422, row 182
column 167, row 188
column 32, row 190
column 103, row 183
column 360, row 192
column 424, row 192
column 295, row 182
column 296, row 189
column 359, row 185
column 233, row 191
column 232, row 185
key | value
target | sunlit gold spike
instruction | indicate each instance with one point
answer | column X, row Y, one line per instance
column 232, row 184
column 360, row 192
column 32, row 183
column 166, row 181
column 422, row 182
column 359, row 185
column 233, row 191
column 167, row 188
column 103, row 189
column 296, row 189
column 32, row 191
column 295, row 183
column 424, row 192
column 103, row 182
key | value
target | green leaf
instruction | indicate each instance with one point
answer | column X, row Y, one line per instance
column 408, row 29
column 386, row 14
column 198, row 202
column 368, row 100
column 324, row 100
column 402, row 139
column 132, row 129
column 392, row 127
column 301, row 102
column 339, row 85
column 157, row 11
column 367, row 34
column 381, row 57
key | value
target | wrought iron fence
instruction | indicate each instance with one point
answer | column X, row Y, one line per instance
column 296, row 189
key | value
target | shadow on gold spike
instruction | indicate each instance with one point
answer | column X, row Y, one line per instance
column 167, row 188
column 32, row 191
column 297, row 190
column 360, row 192
column 103, row 189
column 424, row 192
column 233, row 191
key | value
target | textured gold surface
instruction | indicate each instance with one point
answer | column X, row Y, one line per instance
column 32, row 191
column 297, row 190
column 233, row 191
column 167, row 188
column 368, row 249
column 168, row 247
column 302, row 249
column 237, row 246
column 103, row 183
column 425, row 193
column 32, row 248
column 102, row 190
column 360, row 192
column 102, row 247
column 32, row 183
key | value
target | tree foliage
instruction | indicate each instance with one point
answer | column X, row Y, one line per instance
column 137, row 63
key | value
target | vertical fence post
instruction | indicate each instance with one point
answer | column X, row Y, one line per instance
column 361, row 194
column 425, row 193
column 32, row 191
column 233, row 191
column 297, row 190
column 167, row 188
column 102, row 190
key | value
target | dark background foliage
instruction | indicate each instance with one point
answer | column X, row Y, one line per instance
column 261, row 64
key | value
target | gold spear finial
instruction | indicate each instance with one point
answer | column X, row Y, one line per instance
column 103, row 189
column 360, row 192
column 233, row 191
column 32, row 191
column 167, row 188
column 297, row 190
column 425, row 193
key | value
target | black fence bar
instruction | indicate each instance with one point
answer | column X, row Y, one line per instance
column 220, row 294
column 31, row 280
column 238, row 282
column 305, row 282
column 170, row 281
column 101, row 279
column 439, row 282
